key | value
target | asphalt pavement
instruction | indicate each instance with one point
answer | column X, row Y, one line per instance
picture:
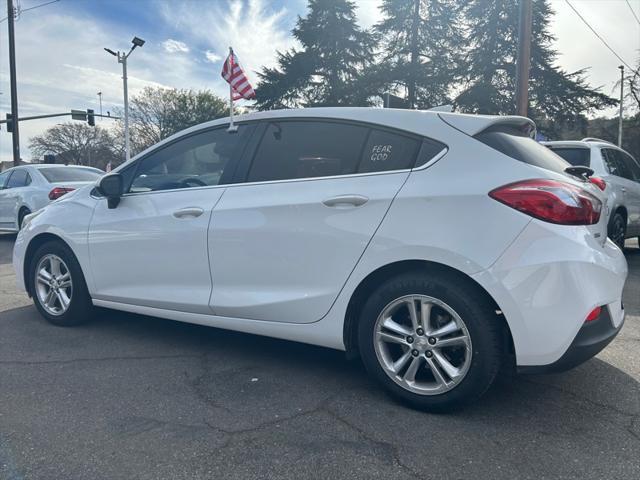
column 133, row 397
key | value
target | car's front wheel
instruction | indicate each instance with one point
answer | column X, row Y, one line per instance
column 58, row 287
column 432, row 341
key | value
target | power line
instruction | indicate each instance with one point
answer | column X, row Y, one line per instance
column 19, row 11
column 600, row 37
column 633, row 12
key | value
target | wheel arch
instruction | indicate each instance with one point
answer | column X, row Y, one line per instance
column 35, row 243
column 371, row 281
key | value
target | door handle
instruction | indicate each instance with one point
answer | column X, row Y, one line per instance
column 624, row 190
column 189, row 212
column 345, row 201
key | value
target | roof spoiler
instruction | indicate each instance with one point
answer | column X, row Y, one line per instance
column 475, row 124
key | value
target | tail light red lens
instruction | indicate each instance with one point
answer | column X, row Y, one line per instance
column 598, row 182
column 551, row 200
column 58, row 192
column 595, row 313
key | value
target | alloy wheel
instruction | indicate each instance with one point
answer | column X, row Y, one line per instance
column 54, row 286
column 422, row 344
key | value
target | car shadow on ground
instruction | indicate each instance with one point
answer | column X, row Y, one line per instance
column 6, row 247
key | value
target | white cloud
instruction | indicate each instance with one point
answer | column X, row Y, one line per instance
column 175, row 46
column 254, row 30
column 212, row 56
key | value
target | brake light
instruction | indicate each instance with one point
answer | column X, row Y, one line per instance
column 595, row 313
column 59, row 191
column 551, row 200
column 598, row 182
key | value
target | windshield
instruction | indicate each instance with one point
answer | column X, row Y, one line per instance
column 70, row 174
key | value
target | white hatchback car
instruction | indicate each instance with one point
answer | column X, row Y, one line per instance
column 437, row 246
column 28, row 188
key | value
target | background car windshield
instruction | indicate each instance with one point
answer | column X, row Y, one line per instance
column 575, row 156
column 70, row 174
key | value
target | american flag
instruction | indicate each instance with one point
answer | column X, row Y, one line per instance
column 232, row 72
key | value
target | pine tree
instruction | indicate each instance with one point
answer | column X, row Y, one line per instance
column 422, row 41
column 327, row 70
column 554, row 94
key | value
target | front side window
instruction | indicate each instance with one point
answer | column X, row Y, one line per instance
column 20, row 178
column 307, row 149
column 198, row 160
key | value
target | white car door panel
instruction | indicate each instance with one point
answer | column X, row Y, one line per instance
column 152, row 249
column 282, row 251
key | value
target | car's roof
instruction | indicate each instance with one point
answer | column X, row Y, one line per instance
column 421, row 122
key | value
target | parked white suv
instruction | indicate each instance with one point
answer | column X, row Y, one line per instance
column 28, row 188
column 621, row 173
column 437, row 246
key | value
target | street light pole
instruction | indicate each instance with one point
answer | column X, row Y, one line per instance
column 14, row 88
column 621, row 67
column 100, row 100
column 122, row 58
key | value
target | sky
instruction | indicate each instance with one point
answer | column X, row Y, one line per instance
column 61, row 64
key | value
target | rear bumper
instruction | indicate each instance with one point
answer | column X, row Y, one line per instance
column 546, row 284
column 590, row 340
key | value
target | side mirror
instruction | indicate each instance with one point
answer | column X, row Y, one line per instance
column 111, row 186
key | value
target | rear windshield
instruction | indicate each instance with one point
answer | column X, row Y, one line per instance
column 575, row 156
column 517, row 145
column 70, row 174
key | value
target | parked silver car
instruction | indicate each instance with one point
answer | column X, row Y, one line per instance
column 621, row 173
column 28, row 188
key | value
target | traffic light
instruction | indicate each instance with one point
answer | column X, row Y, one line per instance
column 9, row 122
column 91, row 119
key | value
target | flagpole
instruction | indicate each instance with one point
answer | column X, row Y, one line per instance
column 232, row 127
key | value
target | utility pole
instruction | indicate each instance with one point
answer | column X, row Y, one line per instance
column 411, row 88
column 523, row 62
column 14, row 89
column 621, row 67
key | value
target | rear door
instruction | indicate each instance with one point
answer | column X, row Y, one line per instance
column 632, row 191
column 5, row 210
column 284, row 241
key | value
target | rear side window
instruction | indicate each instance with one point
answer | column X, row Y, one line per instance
column 307, row 149
column 515, row 144
column 3, row 178
column 386, row 151
column 20, row 178
column 615, row 163
column 70, row 174
column 575, row 156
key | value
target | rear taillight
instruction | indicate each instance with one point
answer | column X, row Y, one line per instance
column 59, row 191
column 595, row 313
column 551, row 200
column 598, row 182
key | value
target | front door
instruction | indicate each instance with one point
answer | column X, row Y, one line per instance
column 151, row 249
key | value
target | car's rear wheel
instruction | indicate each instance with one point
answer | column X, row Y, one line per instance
column 23, row 213
column 433, row 342
column 618, row 229
column 58, row 287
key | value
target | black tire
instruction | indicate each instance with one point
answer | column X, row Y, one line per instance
column 473, row 308
column 617, row 229
column 80, row 309
column 23, row 213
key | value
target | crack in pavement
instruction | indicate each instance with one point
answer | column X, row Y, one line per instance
column 95, row 359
